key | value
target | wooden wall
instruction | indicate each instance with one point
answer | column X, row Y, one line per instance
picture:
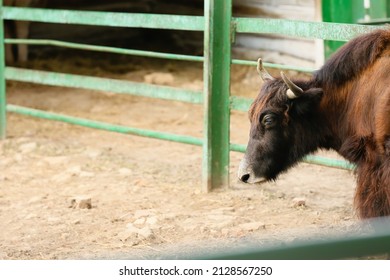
column 279, row 49
column 249, row 46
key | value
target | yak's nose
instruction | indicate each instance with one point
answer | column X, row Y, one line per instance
column 243, row 171
column 245, row 177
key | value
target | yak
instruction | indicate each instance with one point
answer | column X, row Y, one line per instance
column 344, row 106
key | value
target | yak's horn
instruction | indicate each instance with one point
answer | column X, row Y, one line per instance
column 293, row 91
column 262, row 72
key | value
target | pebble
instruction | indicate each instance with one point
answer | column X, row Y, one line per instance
column 78, row 172
column 160, row 78
column 252, row 226
column 81, row 202
column 3, row 178
column 298, row 201
column 135, row 235
column 152, row 221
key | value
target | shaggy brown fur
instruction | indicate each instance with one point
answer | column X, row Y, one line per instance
column 356, row 103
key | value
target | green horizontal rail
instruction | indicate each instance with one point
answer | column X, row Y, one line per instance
column 89, row 47
column 110, row 19
column 336, row 163
column 240, row 103
column 351, row 244
column 104, row 126
column 116, row 86
column 274, row 65
column 313, row 30
column 303, row 29
column 102, row 84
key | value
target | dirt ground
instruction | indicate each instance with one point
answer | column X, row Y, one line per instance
column 69, row 192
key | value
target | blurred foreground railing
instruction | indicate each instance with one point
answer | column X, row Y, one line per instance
column 368, row 239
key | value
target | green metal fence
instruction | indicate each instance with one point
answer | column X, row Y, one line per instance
column 219, row 29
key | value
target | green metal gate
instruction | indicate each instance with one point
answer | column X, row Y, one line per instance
column 219, row 29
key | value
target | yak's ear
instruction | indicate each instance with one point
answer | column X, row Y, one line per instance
column 308, row 101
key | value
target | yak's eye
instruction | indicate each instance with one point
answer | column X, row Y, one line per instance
column 268, row 120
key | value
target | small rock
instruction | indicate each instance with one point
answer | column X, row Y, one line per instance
column 160, row 78
column 81, row 203
column 151, row 221
column 128, row 237
column 77, row 171
column 299, row 201
column 135, row 234
column 146, row 233
column 74, row 170
column 3, row 178
column 252, row 226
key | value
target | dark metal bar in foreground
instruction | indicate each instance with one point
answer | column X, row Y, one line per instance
column 350, row 245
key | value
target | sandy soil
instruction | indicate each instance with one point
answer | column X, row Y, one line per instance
column 69, row 192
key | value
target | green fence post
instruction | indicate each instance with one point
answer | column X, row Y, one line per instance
column 378, row 9
column 388, row 8
column 3, row 116
column 340, row 11
column 217, row 53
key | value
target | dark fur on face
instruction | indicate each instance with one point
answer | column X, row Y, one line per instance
column 276, row 147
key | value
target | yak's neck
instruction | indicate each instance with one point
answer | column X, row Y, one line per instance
column 332, row 111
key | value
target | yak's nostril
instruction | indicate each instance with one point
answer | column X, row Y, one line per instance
column 245, row 178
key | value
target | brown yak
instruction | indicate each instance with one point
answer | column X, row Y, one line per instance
column 345, row 106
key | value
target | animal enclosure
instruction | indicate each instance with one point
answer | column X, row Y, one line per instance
column 215, row 139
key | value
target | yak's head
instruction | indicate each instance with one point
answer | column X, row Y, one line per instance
column 283, row 119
